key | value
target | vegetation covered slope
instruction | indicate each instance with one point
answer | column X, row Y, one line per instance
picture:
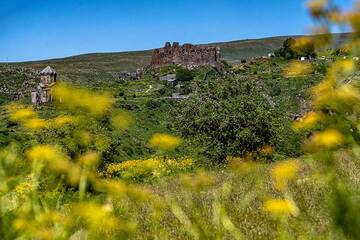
column 96, row 69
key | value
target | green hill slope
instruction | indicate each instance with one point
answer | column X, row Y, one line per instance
column 95, row 70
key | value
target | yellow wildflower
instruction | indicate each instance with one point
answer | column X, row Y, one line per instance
column 346, row 66
column 308, row 121
column 24, row 188
column 284, row 171
column 111, row 186
column 301, row 42
column 327, row 139
column 164, row 141
column 20, row 224
column 50, row 156
column 22, row 114
column 121, row 121
column 348, row 94
column 75, row 98
column 337, row 17
column 323, row 87
column 323, row 93
column 42, row 152
column 297, row 69
column 354, row 19
column 280, row 207
column 317, row 4
column 97, row 217
column 63, row 120
column 89, row 159
column 317, row 7
column 198, row 181
column 35, row 123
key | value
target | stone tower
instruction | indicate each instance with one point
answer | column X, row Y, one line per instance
column 43, row 93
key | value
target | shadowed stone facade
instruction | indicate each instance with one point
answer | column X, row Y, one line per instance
column 187, row 55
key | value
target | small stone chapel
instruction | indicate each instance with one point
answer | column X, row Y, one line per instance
column 43, row 93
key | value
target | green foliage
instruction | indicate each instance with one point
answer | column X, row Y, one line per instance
column 230, row 118
column 290, row 50
column 184, row 75
column 345, row 210
column 153, row 103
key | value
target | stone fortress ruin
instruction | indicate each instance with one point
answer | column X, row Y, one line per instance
column 43, row 93
column 187, row 55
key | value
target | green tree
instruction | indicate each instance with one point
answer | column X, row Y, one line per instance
column 183, row 74
column 230, row 118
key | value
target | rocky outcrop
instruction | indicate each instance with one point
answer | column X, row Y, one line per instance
column 187, row 55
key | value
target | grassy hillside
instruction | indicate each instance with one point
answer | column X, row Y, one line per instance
column 95, row 70
column 135, row 165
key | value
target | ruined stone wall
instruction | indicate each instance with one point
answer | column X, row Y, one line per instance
column 187, row 55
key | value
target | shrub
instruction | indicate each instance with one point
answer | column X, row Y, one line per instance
column 153, row 103
column 294, row 48
column 230, row 117
column 183, row 75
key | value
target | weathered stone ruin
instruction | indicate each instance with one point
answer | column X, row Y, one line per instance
column 187, row 55
column 43, row 93
column 127, row 76
column 170, row 79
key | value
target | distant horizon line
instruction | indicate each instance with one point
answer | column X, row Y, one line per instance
column 151, row 49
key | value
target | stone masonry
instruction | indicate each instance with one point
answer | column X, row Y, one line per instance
column 43, row 93
column 187, row 55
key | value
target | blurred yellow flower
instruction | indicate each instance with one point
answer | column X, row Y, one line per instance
column 280, row 207
column 297, row 68
column 348, row 94
column 63, row 120
column 22, row 114
column 317, row 4
column 317, row 7
column 328, row 139
column 354, row 19
column 323, row 87
column 49, row 155
column 75, row 98
column 198, row 181
column 121, row 121
column 42, row 152
column 308, row 121
column 337, row 17
column 301, row 42
column 25, row 187
column 284, row 171
column 97, row 217
column 346, row 66
column 89, row 159
column 35, row 123
column 164, row 141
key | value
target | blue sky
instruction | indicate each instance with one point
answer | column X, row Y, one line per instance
column 42, row 29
